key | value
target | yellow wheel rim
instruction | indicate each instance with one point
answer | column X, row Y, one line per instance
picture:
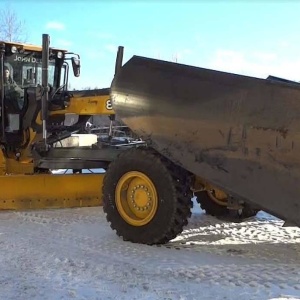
column 136, row 198
column 217, row 195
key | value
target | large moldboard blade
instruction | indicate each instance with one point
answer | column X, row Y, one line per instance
column 240, row 133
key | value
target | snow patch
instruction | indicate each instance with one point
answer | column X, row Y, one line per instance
column 73, row 254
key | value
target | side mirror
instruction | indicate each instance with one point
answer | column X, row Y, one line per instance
column 76, row 66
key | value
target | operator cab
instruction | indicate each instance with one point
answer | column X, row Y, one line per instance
column 21, row 86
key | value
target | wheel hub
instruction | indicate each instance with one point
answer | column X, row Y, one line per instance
column 141, row 198
column 136, row 198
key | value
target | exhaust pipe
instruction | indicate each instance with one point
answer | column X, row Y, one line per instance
column 2, row 106
column 118, row 66
column 45, row 90
column 119, row 59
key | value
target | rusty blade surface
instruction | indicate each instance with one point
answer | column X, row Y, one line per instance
column 240, row 133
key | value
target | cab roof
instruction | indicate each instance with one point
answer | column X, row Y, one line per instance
column 29, row 47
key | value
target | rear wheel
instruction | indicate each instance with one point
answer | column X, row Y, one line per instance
column 215, row 204
column 146, row 198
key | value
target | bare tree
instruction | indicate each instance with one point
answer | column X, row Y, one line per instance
column 11, row 27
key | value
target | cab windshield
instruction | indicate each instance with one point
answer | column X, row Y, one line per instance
column 25, row 70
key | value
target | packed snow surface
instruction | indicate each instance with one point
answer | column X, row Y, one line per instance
column 73, row 254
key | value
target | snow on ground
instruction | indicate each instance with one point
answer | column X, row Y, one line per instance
column 73, row 254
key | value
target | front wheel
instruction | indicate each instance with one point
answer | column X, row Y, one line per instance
column 146, row 198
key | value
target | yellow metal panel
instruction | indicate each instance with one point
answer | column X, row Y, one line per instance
column 22, row 165
column 19, row 167
column 2, row 164
column 21, row 192
column 93, row 105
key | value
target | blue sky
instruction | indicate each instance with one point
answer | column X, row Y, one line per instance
column 255, row 38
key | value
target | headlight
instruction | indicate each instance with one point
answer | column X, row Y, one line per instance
column 59, row 54
column 14, row 49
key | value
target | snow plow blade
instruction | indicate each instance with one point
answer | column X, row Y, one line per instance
column 40, row 191
column 240, row 133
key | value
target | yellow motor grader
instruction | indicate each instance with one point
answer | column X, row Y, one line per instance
column 38, row 113
column 230, row 140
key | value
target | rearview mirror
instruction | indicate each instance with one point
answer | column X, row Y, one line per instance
column 76, row 66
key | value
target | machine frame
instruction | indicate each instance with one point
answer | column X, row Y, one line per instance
column 28, row 154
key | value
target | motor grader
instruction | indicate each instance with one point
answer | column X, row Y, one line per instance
column 229, row 140
column 37, row 116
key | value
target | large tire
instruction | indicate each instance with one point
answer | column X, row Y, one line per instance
column 145, row 173
column 221, row 211
column 210, row 206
